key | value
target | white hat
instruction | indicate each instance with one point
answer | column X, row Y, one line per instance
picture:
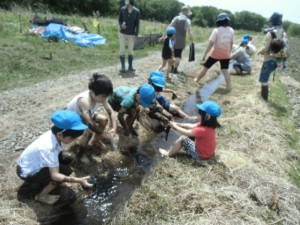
column 186, row 10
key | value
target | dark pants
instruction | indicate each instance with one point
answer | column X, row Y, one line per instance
column 43, row 177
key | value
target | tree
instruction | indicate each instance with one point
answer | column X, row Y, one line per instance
column 249, row 21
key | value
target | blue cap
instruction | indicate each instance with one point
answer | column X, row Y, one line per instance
column 146, row 94
column 243, row 42
column 67, row 120
column 157, row 78
column 246, row 36
column 211, row 108
column 171, row 30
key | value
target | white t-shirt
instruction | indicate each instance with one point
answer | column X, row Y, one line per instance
column 43, row 152
column 72, row 105
column 223, row 41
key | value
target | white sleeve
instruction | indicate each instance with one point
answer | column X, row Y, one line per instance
column 171, row 43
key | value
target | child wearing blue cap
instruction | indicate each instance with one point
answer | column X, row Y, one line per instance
column 203, row 148
column 86, row 105
column 157, row 80
column 168, row 51
column 125, row 100
column 40, row 162
column 242, row 59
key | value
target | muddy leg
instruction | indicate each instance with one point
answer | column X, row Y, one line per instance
column 227, row 79
column 175, row 147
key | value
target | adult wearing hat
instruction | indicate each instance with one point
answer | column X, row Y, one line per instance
column 269, row 57
column 182, row 25
column 129, row 22
column 40, row 163
column 221, row 42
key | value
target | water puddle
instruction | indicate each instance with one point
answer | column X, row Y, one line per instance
column 109, row 193
column 207, row 90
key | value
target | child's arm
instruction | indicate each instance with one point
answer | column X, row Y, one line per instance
column 59, row 177
column 187, row 125
column 121, row 114
column 112, row 117
column 181, row 130
column 84, row 106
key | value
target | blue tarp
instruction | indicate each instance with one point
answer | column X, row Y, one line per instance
column 83, row 39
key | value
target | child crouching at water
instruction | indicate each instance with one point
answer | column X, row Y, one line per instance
column 203, row 148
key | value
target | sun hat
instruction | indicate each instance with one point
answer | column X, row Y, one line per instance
column 211, row 108
column 158, row 79
column 186, row 10
column 171, row 30
column 222, row 16
column 244, row 41
column 146, row 95
column 276, row 19
column 67, row 120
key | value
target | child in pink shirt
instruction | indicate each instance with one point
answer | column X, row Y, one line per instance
column 203, row 148
column 221, row 40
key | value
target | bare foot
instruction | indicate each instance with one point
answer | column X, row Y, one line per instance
column 47, row 199
column 163, row 152
column 84, row 159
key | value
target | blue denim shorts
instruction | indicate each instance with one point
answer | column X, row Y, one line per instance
column 267, row 68
column 190, row 147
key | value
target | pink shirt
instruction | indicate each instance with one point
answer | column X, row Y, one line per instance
column 205, row 140
column 223, row 41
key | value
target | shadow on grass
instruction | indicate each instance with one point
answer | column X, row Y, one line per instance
column 279, row 109
column 46, row 214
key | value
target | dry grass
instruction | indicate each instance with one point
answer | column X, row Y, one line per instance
column 249, row 184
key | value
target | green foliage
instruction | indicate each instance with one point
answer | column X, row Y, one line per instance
column 294, row 30
column 249, row 21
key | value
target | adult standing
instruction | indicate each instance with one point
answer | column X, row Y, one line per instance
column 182, row 24
column 221, row 42
column 129, row 21
column 270, row 64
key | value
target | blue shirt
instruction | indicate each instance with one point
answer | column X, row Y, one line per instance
column 124, row 96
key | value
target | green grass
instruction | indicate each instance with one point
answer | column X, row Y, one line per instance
column 283, row 113
column 24, row 55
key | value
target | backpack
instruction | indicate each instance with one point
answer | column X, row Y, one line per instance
column 279, row 46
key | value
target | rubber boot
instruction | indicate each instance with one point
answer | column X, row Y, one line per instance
column 122, row 60
column 265, row 92
column 130, row 60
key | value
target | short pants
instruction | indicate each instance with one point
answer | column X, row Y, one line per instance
column 178, row 53
column 211, row 61
column 190, row 148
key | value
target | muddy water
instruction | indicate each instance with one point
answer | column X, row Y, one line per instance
column 112, row 191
